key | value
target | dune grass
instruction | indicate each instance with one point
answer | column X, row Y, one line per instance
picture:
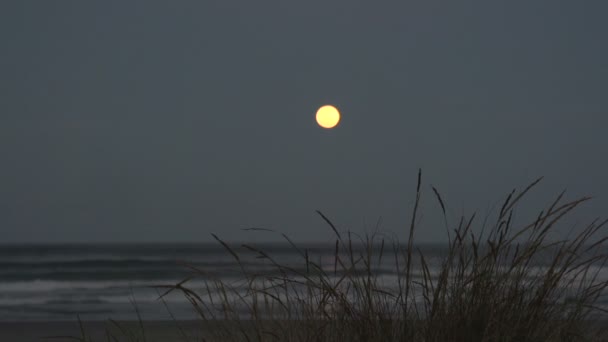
column 487, row 287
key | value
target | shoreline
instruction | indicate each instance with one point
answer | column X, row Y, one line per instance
column 154, row 330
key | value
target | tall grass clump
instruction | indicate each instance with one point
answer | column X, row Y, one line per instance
column 487, row 286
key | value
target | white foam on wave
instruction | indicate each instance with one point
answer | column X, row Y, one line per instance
column 46, row 286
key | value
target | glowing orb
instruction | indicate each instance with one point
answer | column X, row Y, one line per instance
column 328, row 116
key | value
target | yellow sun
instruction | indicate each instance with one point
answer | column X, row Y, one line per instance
column 328, row 116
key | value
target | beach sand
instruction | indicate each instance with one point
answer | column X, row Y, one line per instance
column 155, row 331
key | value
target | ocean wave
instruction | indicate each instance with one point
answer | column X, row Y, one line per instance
column 38, row 286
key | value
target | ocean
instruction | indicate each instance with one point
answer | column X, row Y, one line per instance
column 119, row 281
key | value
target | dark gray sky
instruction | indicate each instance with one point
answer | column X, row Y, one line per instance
column 169, row 120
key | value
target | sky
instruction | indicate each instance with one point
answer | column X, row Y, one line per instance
column 166, row 121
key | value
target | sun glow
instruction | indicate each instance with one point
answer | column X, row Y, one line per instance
column 328, row 116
